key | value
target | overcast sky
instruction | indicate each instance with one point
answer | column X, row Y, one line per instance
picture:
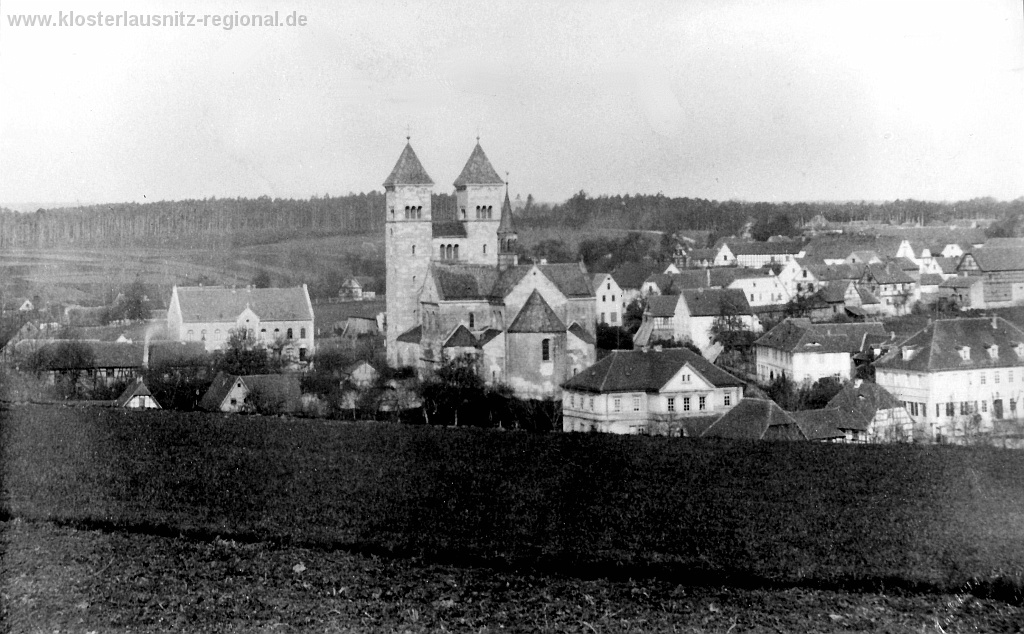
column 782, row 100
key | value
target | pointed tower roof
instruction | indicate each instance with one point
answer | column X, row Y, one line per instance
column 408, row 170
column 506, row 225
column 536, row 316
column 478, row 170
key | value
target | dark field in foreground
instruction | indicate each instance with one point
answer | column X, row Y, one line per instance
column 914, row 518
column 62, row 579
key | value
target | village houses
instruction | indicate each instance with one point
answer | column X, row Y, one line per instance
column 806, row 352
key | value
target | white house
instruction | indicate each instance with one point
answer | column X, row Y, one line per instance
column 958, row 375
column 271, row 392
column 757, row 254
column 610, row 301
column 279, row 318
column 137, row 396
column 691, row 316
column 761, row 287
column 634, row 391
column 806, row 352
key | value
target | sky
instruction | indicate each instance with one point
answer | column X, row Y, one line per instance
column 789, row 100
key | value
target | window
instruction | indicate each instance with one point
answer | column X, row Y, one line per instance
column 302, row 333
column 289, row 335
column 617, row 404
column 190, row 335
column 702, row 403
column 448, row 252
column 441, row 255
column 636, row 403
column 591, row 403
column 202, row 335
column 485, row 249
column 602, row 318
column 686, row 403
column 937, row 410
column 984, row 406
column 1009, row 376
column 604, row 298
column 392, row 213
column 472, row 320
column 414, row 249
column 671, row 403
column 572, row 400
column 302, row 354
column 950, row 409
column 463, row 211
column 545, row 350
column 983, row 378
column 615, row 318
column 963, row 408
column 727, row 400
column 456, row 252
column 996, row 376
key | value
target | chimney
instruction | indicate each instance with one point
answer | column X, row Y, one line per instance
column 857, row 383
column 657, row 348
column 995, row 325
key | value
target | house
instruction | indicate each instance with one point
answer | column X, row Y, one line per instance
column 928, row 288
column 357, row 288
column 957, row 375
column 360, row 374
column 964, row 292
column 820, row 424
column 806, row 352
column 106, row 363
column 692, row 315
column 1002, row 272
column 630, row 277
column 757, row 254
column 761, row 287
column 893, row 288
column 137, row 396
column 863, row 257
column 756, row 419
column 869, row 413
column 798, row 278
column 278, row 318
column 610, row 304
column 693, row 258
column 263, row 393
column 349, row 319
column 828, row 303
column 641, row 391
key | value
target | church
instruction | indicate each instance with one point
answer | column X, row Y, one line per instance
column 455, row 286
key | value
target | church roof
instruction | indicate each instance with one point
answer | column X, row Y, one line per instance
column 570, row 279
column 448, row 229
column 408, row 170
column 506, row 225
column 460, row 338
column 581, row 333
column 478, row 170
column 219, row 303
column 413, row 335
column 464, row 281
column 536, row 316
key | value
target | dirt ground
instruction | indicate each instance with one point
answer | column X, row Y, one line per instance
column 60, row 579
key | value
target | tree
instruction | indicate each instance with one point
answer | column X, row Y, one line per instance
column 454, row 387
column 243, row 355
column 634, row 315
column 613, row 338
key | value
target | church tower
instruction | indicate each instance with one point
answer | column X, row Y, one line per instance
column 407, row 234
column 507, row 236
column 478, row 206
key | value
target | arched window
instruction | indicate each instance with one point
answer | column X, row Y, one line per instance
column 414, row 249
column 190, row 335
column 448, row 252
column 289, row 333
column 202, row 335
column 472, row 320
column 392, row 213
column 441, row 254
column 456, row 252
column 302, row 333
column 545, row 350
column 485, row 249
column 463, row 213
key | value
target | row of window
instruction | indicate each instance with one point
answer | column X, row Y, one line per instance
column 448, row 251
column 613, row 318
column 670, row 402
column 965, row 407
column 702, row 403
column 219, row 336
column 412, row 212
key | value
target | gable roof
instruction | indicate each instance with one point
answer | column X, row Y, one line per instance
column 413, row 335
column 937, row 347
column 217, row 391
column 713, row 302
column 461, row 337
column 888, row 273
column 836, row 272
column 137, row 388
column 487, row 336
column 756, row 419
column 633, row 274
column 800, row 335
column 219, row 303
column 996, row 258
column 570, row 279
column 646, row 371
column 860, row 402
column 478, row 170
column 581, row 333
column 765, row 248
column 948, row 265
column 662, row 305
column 464, row 281
column 820, row 424
column 333, row 312
column 536, row 316
column 408, row 170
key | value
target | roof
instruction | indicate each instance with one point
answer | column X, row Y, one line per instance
column 464, row 281
column 633, row 274
column 756, row 419
column 487, row 336
column 461, row 337
column 888, row 273
column 930, row 279
column 800, row 335
column 581, row 333
column 948, row 265
column 219, row 303
column 448, row 229
column 820, row 424
column 905, row 264
column 936, row 348
column 765, row 248
column 662, row 305
column 341, row 311
column 408, row 170
column 646, row 371
column 570, row 279
column 702, row 254
column 836, row 272
column 859, row 402
column 478, row 170
column 217, row 391
column 536, row 316
column 1004, row 243
column 833, row 293
column 413, row 335
column 507, row 224
column 137, row 388
column 866, row 296
column 997, row 259
column 961, row 281
column 714, row 302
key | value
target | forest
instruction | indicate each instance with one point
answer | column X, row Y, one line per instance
column 235, row 222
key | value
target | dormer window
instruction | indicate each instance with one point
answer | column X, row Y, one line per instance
column 1019, row 349
column 965, row 352
column 993, row 352
column 908, row 354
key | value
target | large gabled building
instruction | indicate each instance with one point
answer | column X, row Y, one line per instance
column 958, row 375
column 806, row 352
